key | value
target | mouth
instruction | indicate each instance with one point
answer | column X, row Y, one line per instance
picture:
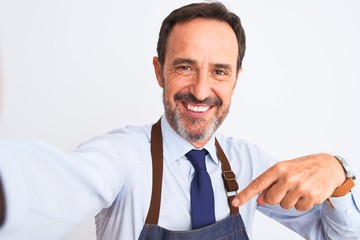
column 196, row 109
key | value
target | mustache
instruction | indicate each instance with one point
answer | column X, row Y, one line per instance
column 188, row 97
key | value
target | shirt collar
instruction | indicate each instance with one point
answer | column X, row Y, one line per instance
column 176, row 147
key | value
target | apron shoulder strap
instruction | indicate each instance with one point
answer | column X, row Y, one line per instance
column 229, row 178
column 228, row 175
column 157, row 173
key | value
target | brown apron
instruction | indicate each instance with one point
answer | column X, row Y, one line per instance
column 230, row 228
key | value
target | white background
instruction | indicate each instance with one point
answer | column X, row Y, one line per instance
column 74, row 69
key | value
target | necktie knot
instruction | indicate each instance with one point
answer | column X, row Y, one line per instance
column 197, row 159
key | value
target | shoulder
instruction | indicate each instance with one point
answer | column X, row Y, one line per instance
column 125, row 149
column 236, row 144
column 249, row 153
column 128, row 137
column 140, row 133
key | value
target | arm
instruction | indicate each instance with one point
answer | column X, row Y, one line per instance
column 48, row 192
column 304, row 184
column 322, row 221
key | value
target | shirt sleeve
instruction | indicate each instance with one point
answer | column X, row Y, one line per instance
column 322, row 221
column 49, row 193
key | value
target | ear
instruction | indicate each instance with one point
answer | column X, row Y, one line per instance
column 158, row 71
column 239, row 71
column 237, row 77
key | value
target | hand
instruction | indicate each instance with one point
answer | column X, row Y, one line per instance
column 301, row 183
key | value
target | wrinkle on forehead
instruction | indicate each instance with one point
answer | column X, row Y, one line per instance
column 206, row 41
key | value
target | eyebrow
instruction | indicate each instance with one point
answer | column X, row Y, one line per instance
column 183, row 60
column 223, row 66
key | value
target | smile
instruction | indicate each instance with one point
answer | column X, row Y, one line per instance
column 197, row 108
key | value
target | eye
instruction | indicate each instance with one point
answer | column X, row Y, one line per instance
column 220, row 73
column 184, row 70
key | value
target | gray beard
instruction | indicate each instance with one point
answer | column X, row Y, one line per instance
column 205, row 133
column 180, row 122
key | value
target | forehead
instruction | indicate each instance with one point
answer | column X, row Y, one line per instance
column 204, row 38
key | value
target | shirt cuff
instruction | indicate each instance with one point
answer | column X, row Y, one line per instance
column 346, row 209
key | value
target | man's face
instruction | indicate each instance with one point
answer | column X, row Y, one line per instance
column 198, row 77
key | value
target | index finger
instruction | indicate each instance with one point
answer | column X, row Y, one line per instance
column 259, row 184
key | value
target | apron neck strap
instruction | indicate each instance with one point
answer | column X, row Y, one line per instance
column 157, row 173
column 228, row 175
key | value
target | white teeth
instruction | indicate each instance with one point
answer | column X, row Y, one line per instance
column 198, row 108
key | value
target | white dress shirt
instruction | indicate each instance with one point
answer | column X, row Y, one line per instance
column 49, row 193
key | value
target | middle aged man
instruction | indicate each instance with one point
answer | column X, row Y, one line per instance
column 177, row 195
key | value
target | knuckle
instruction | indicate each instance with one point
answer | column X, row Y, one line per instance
column 303, row 190
column 312, row 195
column 270, row 200
column 303, row 205
column 257, row 184
column 301, row 208
column 285, row 205
column 281, row 167
column 290, row 180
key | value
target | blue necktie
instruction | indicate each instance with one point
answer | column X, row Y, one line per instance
column 202, row 195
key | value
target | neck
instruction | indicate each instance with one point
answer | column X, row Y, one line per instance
column 200, row 144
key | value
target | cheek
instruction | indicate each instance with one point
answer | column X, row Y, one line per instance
column 169, row 92
column 224, row 92
column 174, row 85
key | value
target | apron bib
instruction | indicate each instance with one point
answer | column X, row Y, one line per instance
column 230, row 228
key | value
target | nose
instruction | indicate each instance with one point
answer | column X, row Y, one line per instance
column 200, row 88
